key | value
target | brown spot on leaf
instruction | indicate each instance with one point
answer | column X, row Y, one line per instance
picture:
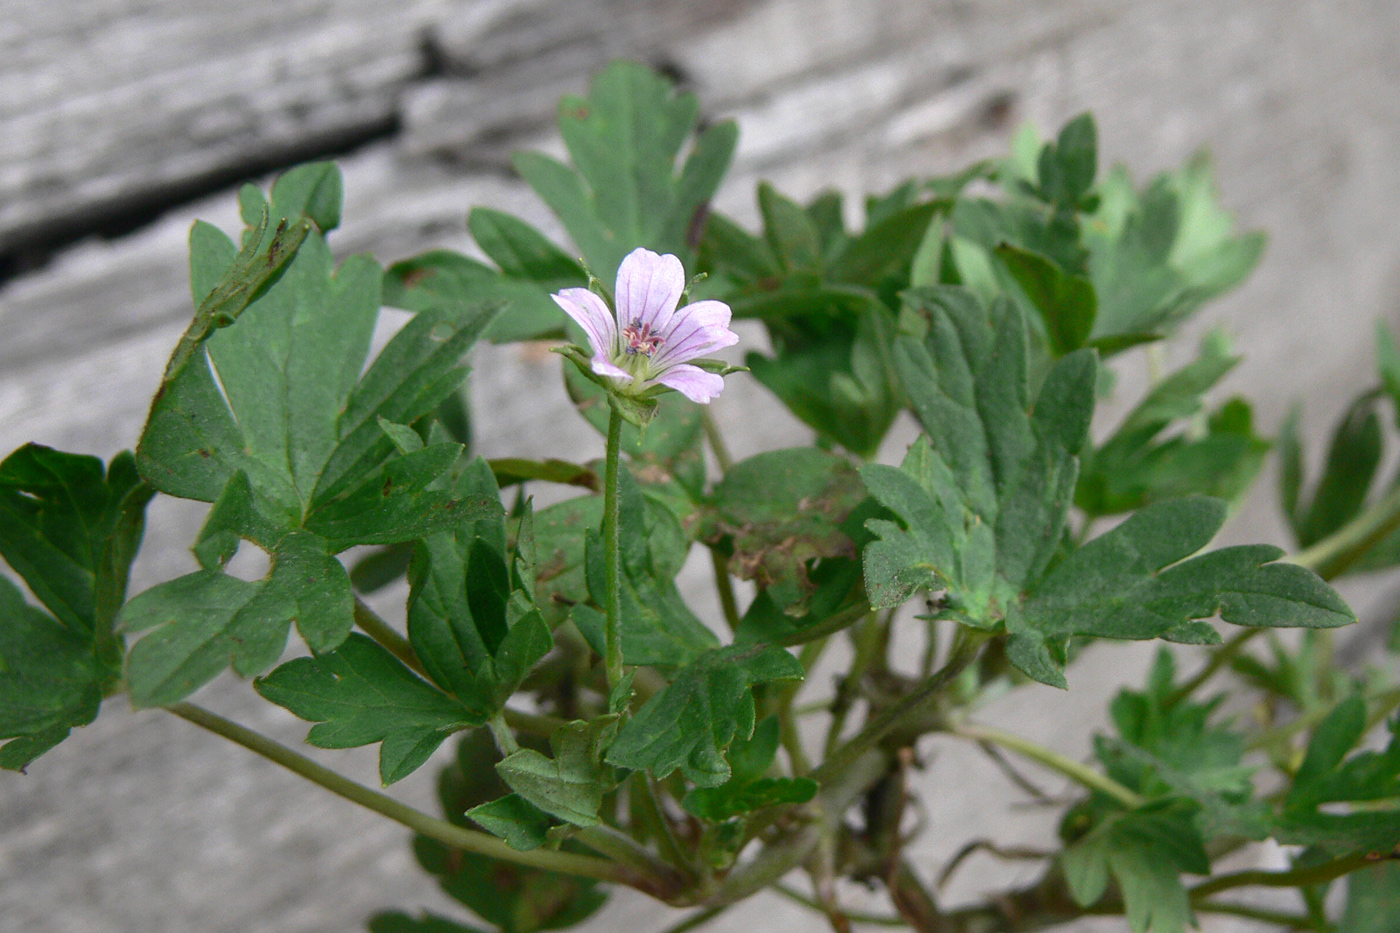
column 416, row 276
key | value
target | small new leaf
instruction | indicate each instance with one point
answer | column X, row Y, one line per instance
column 1329, row 779
column 569, row 786
column 520, row 823
column 1145, row 851
column 690, row 723
column 747, row 789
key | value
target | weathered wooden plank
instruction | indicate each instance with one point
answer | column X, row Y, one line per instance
column 106, row 104
column 124, row 827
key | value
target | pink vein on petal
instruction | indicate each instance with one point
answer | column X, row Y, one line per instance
column 693, row 382
column 592, row 314
column 649, row 287
column 700, row 328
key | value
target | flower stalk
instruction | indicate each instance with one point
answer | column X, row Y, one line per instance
column 612, row 549
column 458, row 837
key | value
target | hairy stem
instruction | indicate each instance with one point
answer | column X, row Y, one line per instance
column 795, row 847
column 832, row 624
column 505, row 739
column 1292, row 878
column 458, row 837
column 1075, row 771
column 612, row 547
column 533, row 723
column 725, row 587
column 717, row 445
column 915, row 903
column 666, row 836
column 391, row 641
column 1293, row 921
column 1218, row 659
column 1336, row 553
column 697, row 919
column 789, row 734
column 855, row 916
column 895, row 714
column 865, row 639
column 622, row 848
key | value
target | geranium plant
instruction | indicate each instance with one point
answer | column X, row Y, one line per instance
column 607, row 735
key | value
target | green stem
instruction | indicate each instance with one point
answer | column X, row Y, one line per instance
column 388, row 639
column 1385, row 703
column 721, row 450
column 612, row 547
column 855, row 916
column 697, row 919
column 505, row 739
column 1218, row 659
column 791, row 850
column 791, row 738
column 651, row 803
column 912, row 899
column 456, row 836
column 865, row 639
column 619, row 847
column 533, row 723
column 1293, row 878
column 787, row 722
column 1080, row 773
column 1336, row 553
column 1294, row 921
column 832, row 624
column 893, row 715
column 725, row 587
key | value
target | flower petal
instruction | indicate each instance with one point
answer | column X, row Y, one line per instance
column 606, row 367
column 592, row 314
column 697, row 330
column 649, row 287
column 693, row 382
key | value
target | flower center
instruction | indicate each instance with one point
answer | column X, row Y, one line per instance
column 638, row 338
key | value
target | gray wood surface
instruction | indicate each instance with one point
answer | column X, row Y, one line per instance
column 141, row 823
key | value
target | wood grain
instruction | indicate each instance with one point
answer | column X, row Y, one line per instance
column 140, row 823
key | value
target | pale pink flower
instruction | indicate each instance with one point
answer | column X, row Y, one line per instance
column 650, row 341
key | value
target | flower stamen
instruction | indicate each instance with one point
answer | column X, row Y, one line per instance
column 647, row 341
column 638, row 338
